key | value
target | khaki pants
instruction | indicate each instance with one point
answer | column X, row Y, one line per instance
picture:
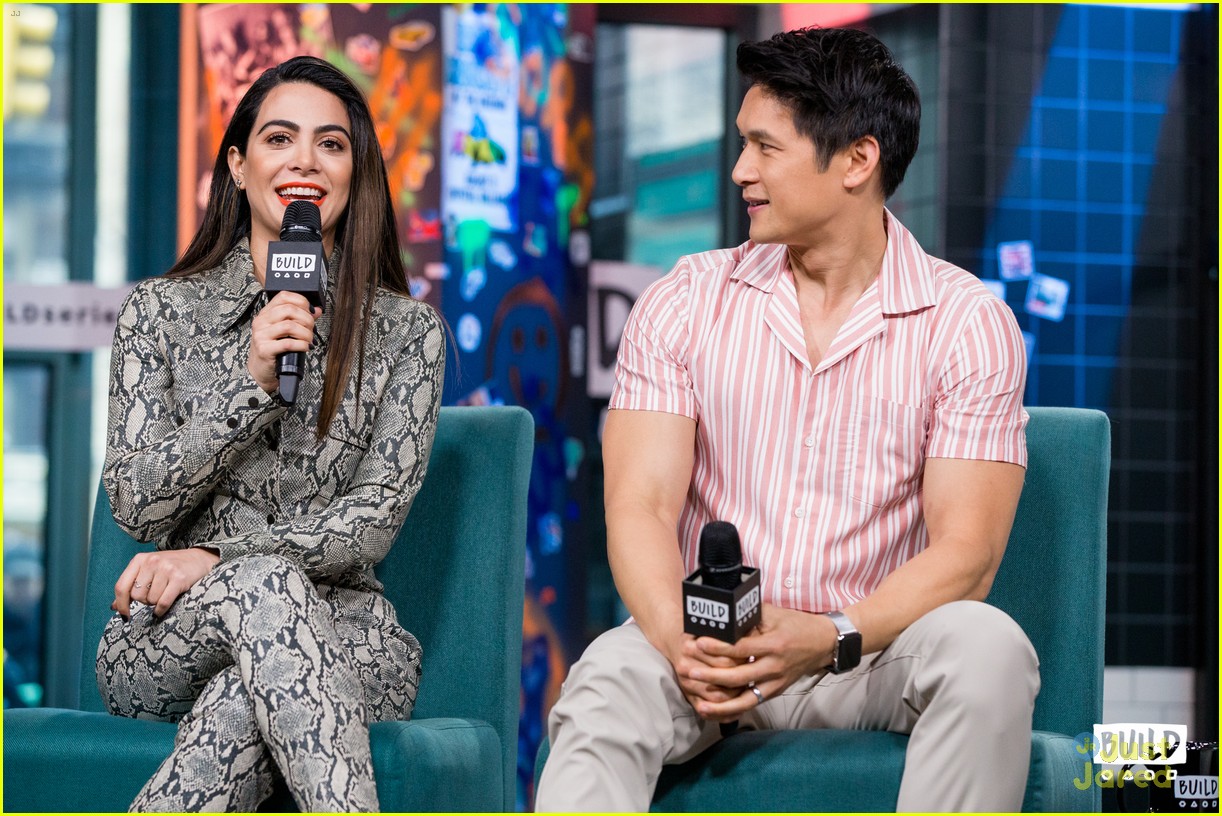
column 961, row 681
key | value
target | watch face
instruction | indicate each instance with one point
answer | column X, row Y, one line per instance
column 848, row 653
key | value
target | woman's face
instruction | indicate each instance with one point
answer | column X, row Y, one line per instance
column 299, row 148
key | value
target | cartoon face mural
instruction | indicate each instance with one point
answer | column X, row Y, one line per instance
column 526, row 350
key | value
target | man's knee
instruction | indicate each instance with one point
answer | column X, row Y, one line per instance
column 620, row 675
column 985, row 649
column 620, row 659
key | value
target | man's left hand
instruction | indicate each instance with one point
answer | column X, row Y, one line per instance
column 786, row 646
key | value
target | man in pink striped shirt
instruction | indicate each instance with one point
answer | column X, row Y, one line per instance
column 853, row 406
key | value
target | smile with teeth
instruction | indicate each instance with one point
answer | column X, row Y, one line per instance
column 301, row 192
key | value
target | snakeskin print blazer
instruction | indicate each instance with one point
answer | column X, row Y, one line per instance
column 198, row 453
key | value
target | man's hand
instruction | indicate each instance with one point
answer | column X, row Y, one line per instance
column 686, row 657
column 786, row 646
column 158, row 578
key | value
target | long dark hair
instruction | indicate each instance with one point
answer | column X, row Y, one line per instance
column 840, row 84
column 366, row 230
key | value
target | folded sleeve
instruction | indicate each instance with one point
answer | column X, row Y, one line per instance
column 978, row 410
column 651, row 369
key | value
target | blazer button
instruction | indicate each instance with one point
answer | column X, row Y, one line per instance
column 232, row 422
column 271, row 519
column 253, row 402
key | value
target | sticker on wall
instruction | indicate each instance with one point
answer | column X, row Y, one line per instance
column 364, row 51
column 530, row 145
column 419, row 287
column 423, row 226
column 996, row 287
column 1015, row 260
column 1029, row 343
column 579, row 248
column 412, row 36
column 534, row 240
column 480, row 119
column 577, row 351
column 473, row 281
column 470, row 332
column 1047, row 297
column 551, row 534
column 502, row 254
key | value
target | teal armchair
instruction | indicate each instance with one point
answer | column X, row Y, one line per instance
column 1051, row 582
column 455, row 575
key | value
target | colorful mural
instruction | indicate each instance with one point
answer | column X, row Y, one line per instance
column 517, row 177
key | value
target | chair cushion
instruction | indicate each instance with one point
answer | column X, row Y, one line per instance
column 107, row 759
column 837, row 771
column 822, row 770
column 1055, row 763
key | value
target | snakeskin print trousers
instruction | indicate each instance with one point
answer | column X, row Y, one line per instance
column 263, row 671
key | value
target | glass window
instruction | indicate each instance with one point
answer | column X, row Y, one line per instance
column 25, row 502
column 47, row 48
column 37, row 108
column 660, row 121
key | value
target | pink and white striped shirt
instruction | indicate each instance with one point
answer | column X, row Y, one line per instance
column 821, row 469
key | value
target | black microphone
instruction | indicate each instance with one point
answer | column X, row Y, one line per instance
column 721, row 555
column 296, row 263
column 721, row 599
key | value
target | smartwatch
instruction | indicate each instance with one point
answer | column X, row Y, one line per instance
column 847, row 654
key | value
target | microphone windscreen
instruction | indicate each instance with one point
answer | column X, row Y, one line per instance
column 302, row 222
column 721, row 554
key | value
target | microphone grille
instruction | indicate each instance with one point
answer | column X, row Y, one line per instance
column 719, row 545
column 302, row 222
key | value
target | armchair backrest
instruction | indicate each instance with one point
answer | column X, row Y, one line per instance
column 1052, row 578
column 455, row 574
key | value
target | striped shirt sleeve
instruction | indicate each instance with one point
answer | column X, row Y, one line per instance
column 651, row 369
column 978, row 412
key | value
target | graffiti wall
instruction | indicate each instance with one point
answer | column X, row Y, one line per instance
column 516, row 179
column 483, row 116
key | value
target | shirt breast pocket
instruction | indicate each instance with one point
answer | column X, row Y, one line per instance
column 886, row 445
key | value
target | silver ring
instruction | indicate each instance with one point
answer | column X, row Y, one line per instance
column 759, row 695
column 137, row 586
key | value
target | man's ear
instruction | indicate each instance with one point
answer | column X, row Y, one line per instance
column 864, row 163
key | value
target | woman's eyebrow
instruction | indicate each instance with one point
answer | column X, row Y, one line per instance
column 293, row 126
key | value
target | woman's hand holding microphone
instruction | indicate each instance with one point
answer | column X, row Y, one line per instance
column 285, row 324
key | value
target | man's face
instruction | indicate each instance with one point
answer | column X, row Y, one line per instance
column 789, row 201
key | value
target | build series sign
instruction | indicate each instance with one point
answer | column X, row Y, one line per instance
column 63, row 317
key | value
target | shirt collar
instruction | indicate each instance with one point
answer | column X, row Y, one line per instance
column 234, row 289
column 905, row 281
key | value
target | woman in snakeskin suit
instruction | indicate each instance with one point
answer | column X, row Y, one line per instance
column 258, row 624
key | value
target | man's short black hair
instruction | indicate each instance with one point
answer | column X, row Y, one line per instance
column 841, row 84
